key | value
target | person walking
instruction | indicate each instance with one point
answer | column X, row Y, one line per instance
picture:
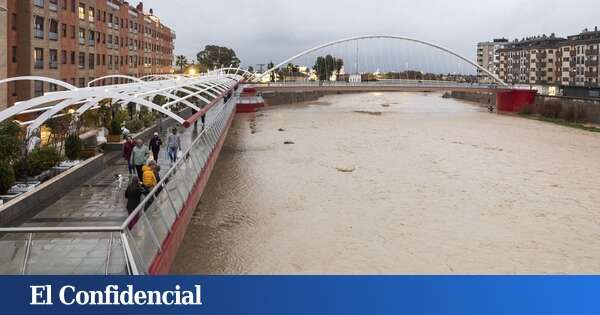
column 149, row 177
column 139, row 156
column 133, row 194
column 155, row 144
column 173, row 145
column 127, row 148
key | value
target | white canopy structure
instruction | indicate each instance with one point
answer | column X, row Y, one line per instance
column 177, row 89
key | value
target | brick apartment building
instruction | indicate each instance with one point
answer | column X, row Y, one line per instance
column 557, row 64
column 3, row 51
column 79, row 40
column 488, row 57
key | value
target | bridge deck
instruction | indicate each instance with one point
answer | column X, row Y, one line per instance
column 377, row 87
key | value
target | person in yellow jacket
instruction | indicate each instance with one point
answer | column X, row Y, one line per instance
column 148, row 178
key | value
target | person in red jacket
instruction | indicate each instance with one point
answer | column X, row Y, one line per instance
column 127, row 148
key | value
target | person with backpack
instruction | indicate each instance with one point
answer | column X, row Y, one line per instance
column 133, row 194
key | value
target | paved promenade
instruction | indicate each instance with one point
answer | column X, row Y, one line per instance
column 96, row 203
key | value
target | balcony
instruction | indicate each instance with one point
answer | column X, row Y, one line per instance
column 591, row 63
column 53, row 6
column 39, row 3
column 39, row 64
column 53, row 36
column 91, row 42
column 81, row 41
column 54, row 64
column 38, row 33
column 591, row 52
column 591, row 74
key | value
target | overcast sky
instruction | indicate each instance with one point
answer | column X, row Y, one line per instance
column 264, row 30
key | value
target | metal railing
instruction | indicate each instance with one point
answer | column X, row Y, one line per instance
column 391, row 82
column 126, row 249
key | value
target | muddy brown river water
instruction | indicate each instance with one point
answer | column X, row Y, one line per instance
column 397, row 183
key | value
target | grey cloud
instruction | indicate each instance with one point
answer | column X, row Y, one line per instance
column 261, row 30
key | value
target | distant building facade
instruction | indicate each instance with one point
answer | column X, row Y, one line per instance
column 488, row 57
column 77, row 41
column 557, row 64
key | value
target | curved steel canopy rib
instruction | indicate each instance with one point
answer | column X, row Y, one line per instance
column 139, row 92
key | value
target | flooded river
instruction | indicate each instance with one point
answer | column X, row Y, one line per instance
column 397, row 183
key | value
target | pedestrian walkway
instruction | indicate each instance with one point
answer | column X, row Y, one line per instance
column 97, row 203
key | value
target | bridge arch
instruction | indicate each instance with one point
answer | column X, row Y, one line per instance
column 404, row 38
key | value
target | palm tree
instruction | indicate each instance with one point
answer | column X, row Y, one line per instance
column 181, row 61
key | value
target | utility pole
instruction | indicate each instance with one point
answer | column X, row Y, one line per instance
column 356, row 62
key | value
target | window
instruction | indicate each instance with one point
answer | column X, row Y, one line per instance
column 81, row 36
column 81, row 11
column 38, row 27
column 72, row 31
column 14, row 54
column 64, row 30
column 73, row 61
column 38, row 55
column 81, row 60
column 53, row 5
column 81, row 82
column 92, row 38
column 91, row 14
column 53, row 32
column 91, row 61
column 39, row 3
column 13, row 21
column 38, row 87
column 73, row 5
column 53, row 59
column 63, row 57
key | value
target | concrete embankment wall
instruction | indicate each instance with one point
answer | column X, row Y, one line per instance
column 570, row 109
column 475, row 97
column 280, row 98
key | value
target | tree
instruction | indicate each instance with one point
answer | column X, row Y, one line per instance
column 216, row 57
column 326, row 66
column 10, row 140
column 181, row 61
